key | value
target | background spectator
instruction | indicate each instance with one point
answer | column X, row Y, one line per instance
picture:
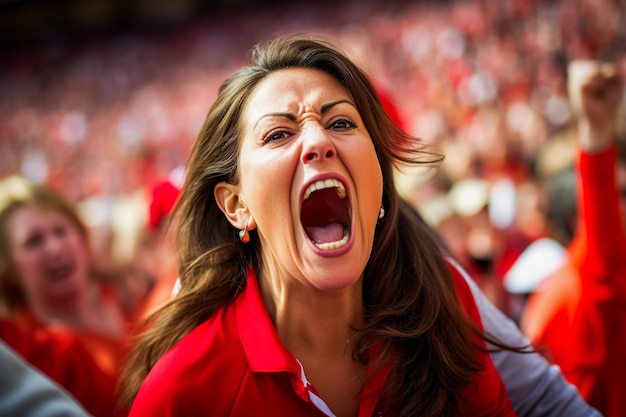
column 48, row 281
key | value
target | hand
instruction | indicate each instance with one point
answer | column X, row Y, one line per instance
column 595, row 93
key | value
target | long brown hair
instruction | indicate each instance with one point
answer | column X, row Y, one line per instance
column 412, row 308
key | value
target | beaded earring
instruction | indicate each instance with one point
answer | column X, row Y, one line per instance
column 244, row 236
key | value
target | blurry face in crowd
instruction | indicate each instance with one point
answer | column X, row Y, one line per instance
column 48, row 253
column 309, row 178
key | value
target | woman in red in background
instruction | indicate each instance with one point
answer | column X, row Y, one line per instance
column 63, row 357
column 579, row 313
column 47, row 280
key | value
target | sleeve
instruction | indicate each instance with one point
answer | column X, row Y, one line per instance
column 600, row 221
column 24, row 391
column 187, row 381
column 535, row 388
column 487, row 395
column 164, row 393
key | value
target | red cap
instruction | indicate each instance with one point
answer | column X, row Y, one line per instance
column 164, row 196
column 390, row 106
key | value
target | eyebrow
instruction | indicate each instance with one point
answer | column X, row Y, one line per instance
column 291, row 116
column 328, row 106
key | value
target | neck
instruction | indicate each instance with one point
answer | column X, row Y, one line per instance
column 71, row 308
column 316, row 327
column 66, row 311
column 309, row 320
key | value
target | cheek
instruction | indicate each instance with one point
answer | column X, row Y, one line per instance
column 81, row 251
column 24, row 258
column 26, row 265
column 76, row 241
column 371, row 178
column 266, row 188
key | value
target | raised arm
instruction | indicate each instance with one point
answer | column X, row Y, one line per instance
column 595, row 92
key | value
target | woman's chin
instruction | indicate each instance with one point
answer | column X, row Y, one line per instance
column 336, row 277
column 66, row 288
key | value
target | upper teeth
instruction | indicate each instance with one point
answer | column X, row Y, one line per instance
column 329, row 183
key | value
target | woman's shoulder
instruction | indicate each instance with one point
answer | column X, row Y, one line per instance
column 218, row 336
column 487, row 394
column 204, row 362
column 463, row 290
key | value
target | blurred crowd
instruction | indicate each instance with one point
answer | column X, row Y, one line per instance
column 105, row 118
column 109, row 119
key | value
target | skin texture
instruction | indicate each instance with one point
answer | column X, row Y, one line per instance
column 275, row 174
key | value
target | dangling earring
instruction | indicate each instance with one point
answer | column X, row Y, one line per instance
column 244, row 236
column 381, row 213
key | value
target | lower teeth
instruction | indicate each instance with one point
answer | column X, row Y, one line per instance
column 335, row 245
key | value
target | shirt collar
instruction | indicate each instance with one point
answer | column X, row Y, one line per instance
column 261, row 343
column 266, row 353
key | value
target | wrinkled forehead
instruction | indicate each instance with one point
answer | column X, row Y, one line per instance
column 293, row 90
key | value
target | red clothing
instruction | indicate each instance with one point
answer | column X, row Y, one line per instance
column 583, row 324
column 108, row 352
column 61, row 356
column 234, row 364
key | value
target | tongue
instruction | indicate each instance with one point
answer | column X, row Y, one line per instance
column 325, row 233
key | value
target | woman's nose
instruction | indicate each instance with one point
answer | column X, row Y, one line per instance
column 55, row 245
column 317, row 145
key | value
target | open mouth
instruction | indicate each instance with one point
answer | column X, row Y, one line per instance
column 326, row 214
column 60, row 271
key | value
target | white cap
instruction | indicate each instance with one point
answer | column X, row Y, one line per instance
column 540, row 259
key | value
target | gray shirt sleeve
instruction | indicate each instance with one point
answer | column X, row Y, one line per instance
column 534, row 386
column 26, row 392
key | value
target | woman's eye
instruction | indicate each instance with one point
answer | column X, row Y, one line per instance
column 34, row 241
column 343, row 123
column 275, row 135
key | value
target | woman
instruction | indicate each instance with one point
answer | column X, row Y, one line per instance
column 47, row 282
column 307, row 287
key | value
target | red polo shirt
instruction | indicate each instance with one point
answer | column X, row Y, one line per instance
column 234, row 364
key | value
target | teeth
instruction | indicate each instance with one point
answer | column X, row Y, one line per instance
column 335, row 245
column 329, row 183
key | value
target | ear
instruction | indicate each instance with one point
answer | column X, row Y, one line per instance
column 234, row 208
